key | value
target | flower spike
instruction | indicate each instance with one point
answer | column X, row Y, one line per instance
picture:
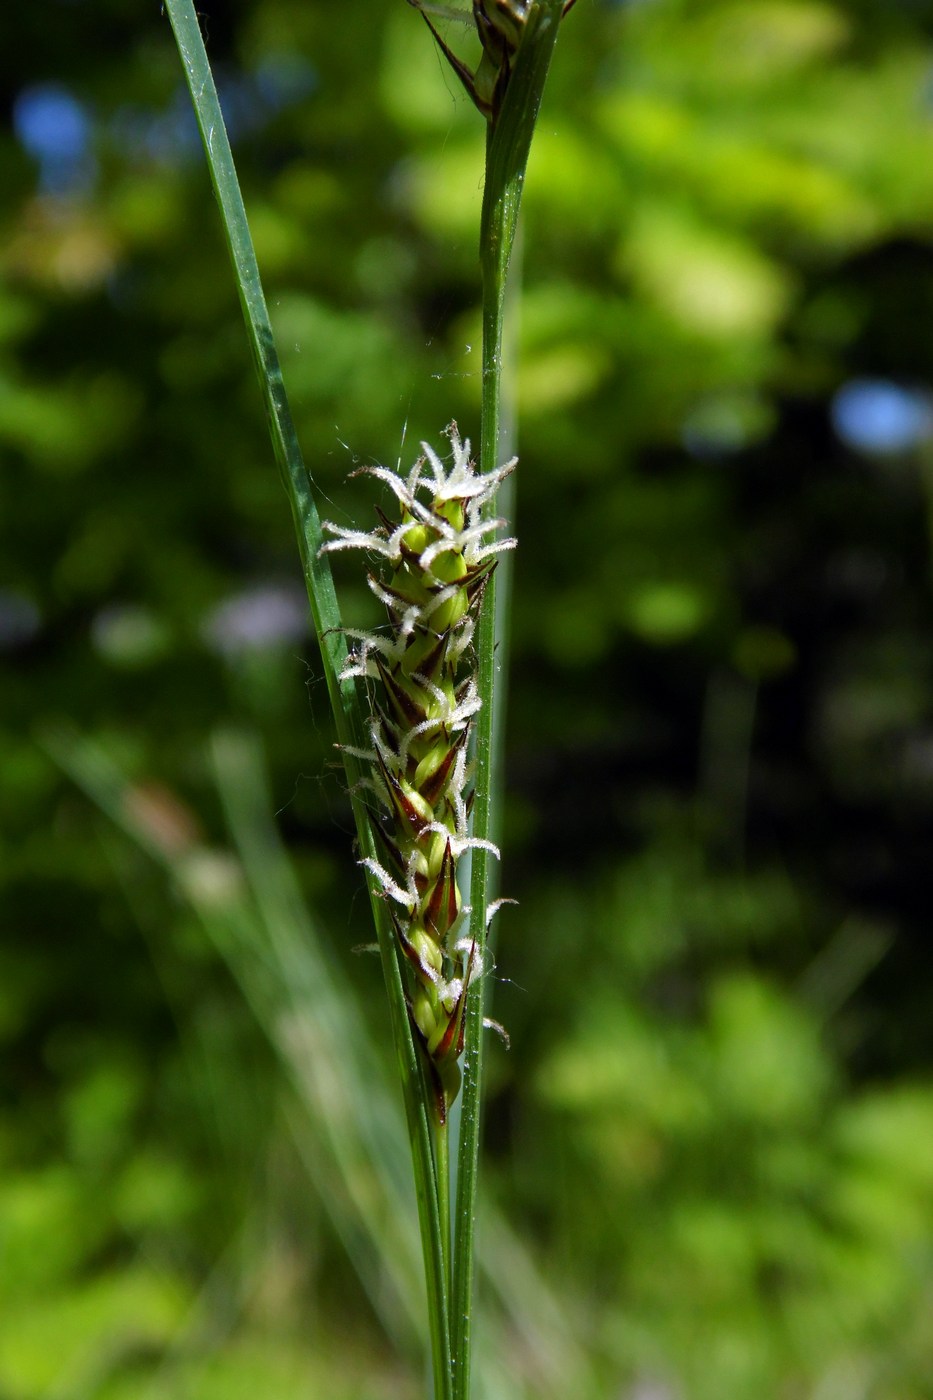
column 438, row 556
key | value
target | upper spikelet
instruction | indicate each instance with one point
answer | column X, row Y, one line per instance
column 500, row 25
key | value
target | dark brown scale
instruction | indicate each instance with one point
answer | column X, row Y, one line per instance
column 409, row 712
column 434, row 786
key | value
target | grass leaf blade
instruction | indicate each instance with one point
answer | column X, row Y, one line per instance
column 323, row 598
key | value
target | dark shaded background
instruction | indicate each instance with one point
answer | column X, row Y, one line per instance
column 713, row 1135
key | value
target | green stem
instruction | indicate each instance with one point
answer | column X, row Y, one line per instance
column 442, row 1166
column 344, row 695
column 508, row 144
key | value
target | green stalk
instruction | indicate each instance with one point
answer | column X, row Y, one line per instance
column 442, row 1161
column 344, row 695
column 508, row 145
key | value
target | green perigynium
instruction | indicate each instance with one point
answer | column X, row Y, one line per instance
column 437, row 558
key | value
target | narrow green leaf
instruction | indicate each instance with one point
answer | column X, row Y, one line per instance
column 344, row 695
column 223, row 175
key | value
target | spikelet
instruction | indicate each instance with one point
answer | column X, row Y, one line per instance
column 437, row 559
column 500, row 26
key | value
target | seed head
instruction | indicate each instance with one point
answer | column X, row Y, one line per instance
column 436, row 558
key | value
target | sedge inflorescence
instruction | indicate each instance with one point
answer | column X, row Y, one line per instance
column 437, row 558
column 500, row 25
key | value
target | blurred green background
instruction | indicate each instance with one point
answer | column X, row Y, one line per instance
column 709, row 1151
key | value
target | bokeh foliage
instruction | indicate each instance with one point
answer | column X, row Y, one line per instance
column 713, row 1134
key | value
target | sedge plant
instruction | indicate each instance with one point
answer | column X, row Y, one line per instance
column 414, row 705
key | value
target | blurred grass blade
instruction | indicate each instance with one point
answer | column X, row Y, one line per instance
column 305, row 980
column 319, row 1032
